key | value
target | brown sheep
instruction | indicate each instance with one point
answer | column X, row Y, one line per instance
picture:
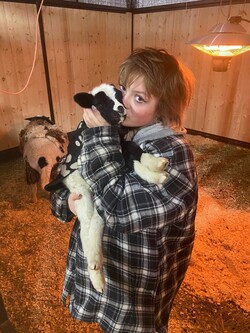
column 42, row 145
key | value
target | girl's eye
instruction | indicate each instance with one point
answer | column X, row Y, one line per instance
column 139, row 99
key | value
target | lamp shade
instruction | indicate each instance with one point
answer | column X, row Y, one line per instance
column 223, row 41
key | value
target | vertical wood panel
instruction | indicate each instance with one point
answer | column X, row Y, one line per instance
column 17, row 42
column 84, row 49
column 221, row 104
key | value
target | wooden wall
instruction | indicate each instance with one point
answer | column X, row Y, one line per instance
column 17, row 36
column 221, row 104
column 85, row 48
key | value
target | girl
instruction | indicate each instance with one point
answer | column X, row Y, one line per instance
column 149, row 229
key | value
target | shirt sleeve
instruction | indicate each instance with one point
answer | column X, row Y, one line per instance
column 125, row 201
column 59, row 205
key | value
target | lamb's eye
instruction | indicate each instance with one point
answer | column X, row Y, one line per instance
column 122, row 88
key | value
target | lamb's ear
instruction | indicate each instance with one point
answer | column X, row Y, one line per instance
column 85, row 100
column 44, row 118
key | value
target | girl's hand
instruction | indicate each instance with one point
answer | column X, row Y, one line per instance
column 93, row 118
column 71, row 201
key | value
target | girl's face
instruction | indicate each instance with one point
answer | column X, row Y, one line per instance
column 141, row 108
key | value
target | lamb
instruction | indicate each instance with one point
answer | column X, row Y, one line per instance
column 108, row 101
column 42, row 145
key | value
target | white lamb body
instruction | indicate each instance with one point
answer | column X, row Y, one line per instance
column 91, row 224
column 91, row 228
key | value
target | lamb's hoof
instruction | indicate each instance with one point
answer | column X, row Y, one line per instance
column 153, row 163
column 162, row 177
column 98, row 280
column 161, row 165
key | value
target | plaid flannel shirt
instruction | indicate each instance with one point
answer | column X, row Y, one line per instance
column 148, row 234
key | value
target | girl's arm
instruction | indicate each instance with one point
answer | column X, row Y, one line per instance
column 123, row 199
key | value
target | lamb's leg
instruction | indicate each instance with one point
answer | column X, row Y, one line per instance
column 97, row 279
column 91, row 229
column 151, row 168
column 34, row 192
column 154, row 163
column 84, row 209
column 95, row 257
column 148, row 175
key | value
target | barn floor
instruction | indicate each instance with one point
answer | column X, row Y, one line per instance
column 215, row 294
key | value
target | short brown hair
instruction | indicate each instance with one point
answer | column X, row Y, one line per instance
column 164, row 77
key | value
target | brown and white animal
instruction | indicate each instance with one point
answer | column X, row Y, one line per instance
column 42, row 145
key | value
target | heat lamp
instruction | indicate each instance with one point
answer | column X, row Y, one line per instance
column 223, row 42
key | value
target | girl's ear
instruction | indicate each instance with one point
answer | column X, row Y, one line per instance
column 85, row 100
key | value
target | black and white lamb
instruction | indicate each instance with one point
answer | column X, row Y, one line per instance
column 42, row 145
column 108, row 101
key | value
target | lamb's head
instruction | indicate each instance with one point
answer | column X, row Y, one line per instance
column 107, row 100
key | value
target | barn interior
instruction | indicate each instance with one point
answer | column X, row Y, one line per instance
column 49, row 50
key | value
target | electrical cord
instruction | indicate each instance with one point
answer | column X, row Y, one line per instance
column 34, row 59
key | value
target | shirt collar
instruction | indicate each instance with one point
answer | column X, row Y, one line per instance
column 156, row 131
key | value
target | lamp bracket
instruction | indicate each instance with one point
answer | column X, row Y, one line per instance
column 237, row 19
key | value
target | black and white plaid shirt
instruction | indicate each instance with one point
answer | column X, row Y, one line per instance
column 148, row 234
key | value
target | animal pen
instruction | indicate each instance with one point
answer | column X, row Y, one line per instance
column 78, row 45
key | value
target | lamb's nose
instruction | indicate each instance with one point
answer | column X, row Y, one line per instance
column 121, row 109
